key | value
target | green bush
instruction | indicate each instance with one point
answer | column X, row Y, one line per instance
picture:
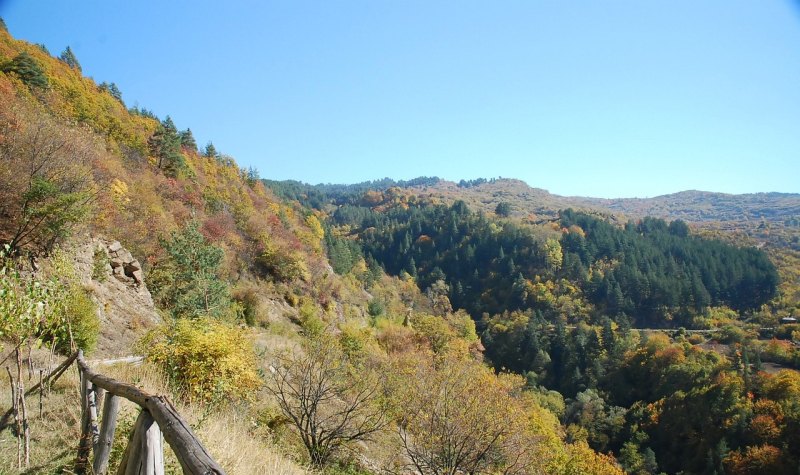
column 376, row 308
column 100, row 265
column 247, row 299
column 312, row 324
column 52, row 307
column 80, row 314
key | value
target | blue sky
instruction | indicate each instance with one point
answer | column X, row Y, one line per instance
column 603, row 98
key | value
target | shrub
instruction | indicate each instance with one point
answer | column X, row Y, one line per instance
column 247, row 298
column 100, row 265
column 312, row 324
column 205, row 359
column 80, row 314
column 52, row 308
column 329, row 402
column 375, row 307
column 283, row 265
column 696, row 339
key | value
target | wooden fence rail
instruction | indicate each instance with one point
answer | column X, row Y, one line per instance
column 144, row 453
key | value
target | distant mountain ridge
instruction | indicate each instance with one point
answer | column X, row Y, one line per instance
column 691, row 205
column 699, row 206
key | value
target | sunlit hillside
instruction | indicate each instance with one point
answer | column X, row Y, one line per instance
column 93, row 192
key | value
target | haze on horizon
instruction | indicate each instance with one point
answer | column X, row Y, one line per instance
column 602, row 100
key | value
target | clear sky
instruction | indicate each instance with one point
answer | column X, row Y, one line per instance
column 595, row 98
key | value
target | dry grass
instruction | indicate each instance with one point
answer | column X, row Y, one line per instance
column 54, row 435
column 227, row 434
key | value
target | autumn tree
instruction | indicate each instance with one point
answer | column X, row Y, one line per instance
column 46, row 185
column 553, row 255
column 329, row 401
column 458, row 417
column 438, row 292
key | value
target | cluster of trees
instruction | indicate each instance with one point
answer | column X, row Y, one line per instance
column 653, row 268
column 113, row 90
column 46, row 182
column 420, row 386
column 474, row 255
column 475, row 182
column 30, row 72
column 652, row 272
column 27, row 69
column 658, row 405
column 167, row 145
column 318, row 196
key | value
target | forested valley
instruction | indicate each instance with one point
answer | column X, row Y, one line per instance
column 564, row 301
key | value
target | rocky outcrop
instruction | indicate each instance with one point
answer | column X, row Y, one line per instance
column 123, row 265
column 116, row 282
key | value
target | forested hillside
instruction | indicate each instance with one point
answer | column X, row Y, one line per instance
column 254, row 315
column 555, row 297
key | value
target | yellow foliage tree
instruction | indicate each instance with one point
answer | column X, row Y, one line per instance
column 456, row 416
column 205, row 359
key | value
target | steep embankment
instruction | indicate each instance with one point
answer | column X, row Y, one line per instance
column 116, row 284
column 125, row 175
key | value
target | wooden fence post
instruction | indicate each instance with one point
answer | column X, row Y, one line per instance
column 102, row 450
column 85, row 443
column 51, row 378
column 100, row 396
column 145, row 452
column 41, row 405
column 15, row 411
column 91, row 401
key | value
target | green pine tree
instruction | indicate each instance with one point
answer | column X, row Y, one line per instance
column 188, row 282
column 165, row 145
column 187, row 139
column 27, row 69
column 68, row 57
column 211, row 151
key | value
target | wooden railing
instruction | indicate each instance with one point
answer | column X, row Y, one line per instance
column 144, row 453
